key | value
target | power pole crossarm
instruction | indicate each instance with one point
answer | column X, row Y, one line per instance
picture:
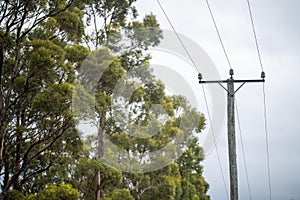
column 235, row 81
column 231, row 125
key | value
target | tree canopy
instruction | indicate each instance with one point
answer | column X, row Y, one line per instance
column 63, row 62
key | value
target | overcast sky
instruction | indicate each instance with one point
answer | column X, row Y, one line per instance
column 277, row 24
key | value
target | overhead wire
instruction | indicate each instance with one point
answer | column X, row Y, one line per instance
column 243, row 149
column 255, row 36
column 178, row 37
column 219, row 36
column 267, row 141
column 215, row 141
column 229, row 63
column 218, row 33
column 205, row 96
column 227, row 59
column 264, row 100
column 265, row 106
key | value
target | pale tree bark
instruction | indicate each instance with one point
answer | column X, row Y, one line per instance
column 101, row 147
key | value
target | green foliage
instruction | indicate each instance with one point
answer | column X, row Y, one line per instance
column 145, row 34
column 84, row 177
column 51, row 192
column 45, row 45
column 54, row 192
column 76, row 54
column 37, row 130
column 123, row 194
column 71, row 24
column 15, row 195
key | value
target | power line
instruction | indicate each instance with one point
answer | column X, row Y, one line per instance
column 229, row 64
column 205, row 97
column 264, row 99
column 178, row 37
column 217, row 149
column 255, row 36
column 267, row 141
column 218, row 33
column 243, row 150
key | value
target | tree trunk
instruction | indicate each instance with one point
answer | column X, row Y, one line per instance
column 2, row 129
column 99, row 192
column 17, row 167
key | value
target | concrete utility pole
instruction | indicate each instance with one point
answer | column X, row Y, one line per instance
column 231, row 126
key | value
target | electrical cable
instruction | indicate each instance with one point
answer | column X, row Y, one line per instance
column 217, row 149
column 218, row 33
column 243, row 149
column 264, row 99
column 267, row 141
column 178, row 37
column 255, row 36
column 205, row 97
